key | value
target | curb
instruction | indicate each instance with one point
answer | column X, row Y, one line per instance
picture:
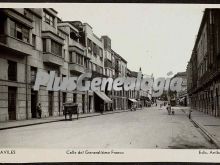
column 52, row 121
column 206, row 134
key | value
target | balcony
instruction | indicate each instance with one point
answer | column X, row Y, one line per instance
column 17, row 46
column 108, row 64
column 73, row 67
column 76, row 47
column 50, row 58
column 53, row 36
column 97, row 74
column 117, row 69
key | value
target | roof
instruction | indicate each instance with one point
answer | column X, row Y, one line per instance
column 119, row 56
column 180, row 74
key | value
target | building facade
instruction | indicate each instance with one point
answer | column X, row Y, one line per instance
column 203, row 70
column 33, row 40
column 181, row 96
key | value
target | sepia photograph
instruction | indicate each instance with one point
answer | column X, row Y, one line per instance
column 110, row 76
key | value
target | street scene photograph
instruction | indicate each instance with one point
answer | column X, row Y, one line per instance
column 122, row 76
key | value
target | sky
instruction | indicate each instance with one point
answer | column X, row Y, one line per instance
column 158, row 38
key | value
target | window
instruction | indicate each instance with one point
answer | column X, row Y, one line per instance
column 90, row 65
column 12, row 28
column 64, row 97
column 101, row 70
column 56, row 48
column 48, row 19
column 94, row 67
column 12, row 71
column 33, row 74
column 90, row 46
column 94, row 49
column 18, row 31
column 71, row 56
column 25, row 33
column 44, row 45
column 85, row 62
column 34, row 40
column 79, row 59
column 64, row 53
column 100, row 52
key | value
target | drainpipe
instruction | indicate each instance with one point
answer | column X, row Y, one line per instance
column 26, row 85
column 87, row 93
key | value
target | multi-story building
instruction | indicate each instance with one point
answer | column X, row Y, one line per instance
column 33, row 40
column 77, row 62
column 146, row 96
column 95, row 52
column 133, row 95
column 203, row 69
column 120, row 98
column 108, row 57
column 181, row 96
column 29, row 43
column 16, row 45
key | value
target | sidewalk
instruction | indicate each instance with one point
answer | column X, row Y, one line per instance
column 24, row 123
column 210, row 125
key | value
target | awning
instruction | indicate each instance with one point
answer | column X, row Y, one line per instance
column 103, row 96
column 133, row 100
column 182, row 99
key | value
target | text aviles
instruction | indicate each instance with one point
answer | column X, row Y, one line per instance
column 84, row 83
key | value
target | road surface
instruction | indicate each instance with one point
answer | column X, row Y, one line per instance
column 147, row 128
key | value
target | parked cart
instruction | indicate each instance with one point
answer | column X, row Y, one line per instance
column 70, row 108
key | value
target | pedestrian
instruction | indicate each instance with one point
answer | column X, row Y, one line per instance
column 190, row 111
column 39, row 110
column 169, row 108
column 102, row 108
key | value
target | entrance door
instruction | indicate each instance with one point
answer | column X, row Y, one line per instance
column 212, row 103
column 12, row 91
column 90, row 102
column 83, row 103
column 50, row 103
column 33, row 103
column 114, row 104
column 217, row 103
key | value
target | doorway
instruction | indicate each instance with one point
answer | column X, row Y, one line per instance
column 34, row 101
column 217, row 103
column 90, row 102
column 83, row 103
column 50, row 103
column 12, row 92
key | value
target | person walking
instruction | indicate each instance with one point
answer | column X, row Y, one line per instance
column 169, row 108
column 190, row 111
column 39, row 110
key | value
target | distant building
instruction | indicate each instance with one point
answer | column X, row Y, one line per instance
column 203, row 70
column 33, row 40
column 182, row 96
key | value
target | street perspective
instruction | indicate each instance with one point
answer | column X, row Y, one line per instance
column 121, row 76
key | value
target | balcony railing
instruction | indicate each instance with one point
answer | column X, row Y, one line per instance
column 78, row 68
column 97, row 74
column 23, row 48
column 77, row 47
column 108, row 63
column 53, row 59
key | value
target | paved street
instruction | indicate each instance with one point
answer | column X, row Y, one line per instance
column 147, row 128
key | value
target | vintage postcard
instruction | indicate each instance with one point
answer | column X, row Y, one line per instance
column 109, row 82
